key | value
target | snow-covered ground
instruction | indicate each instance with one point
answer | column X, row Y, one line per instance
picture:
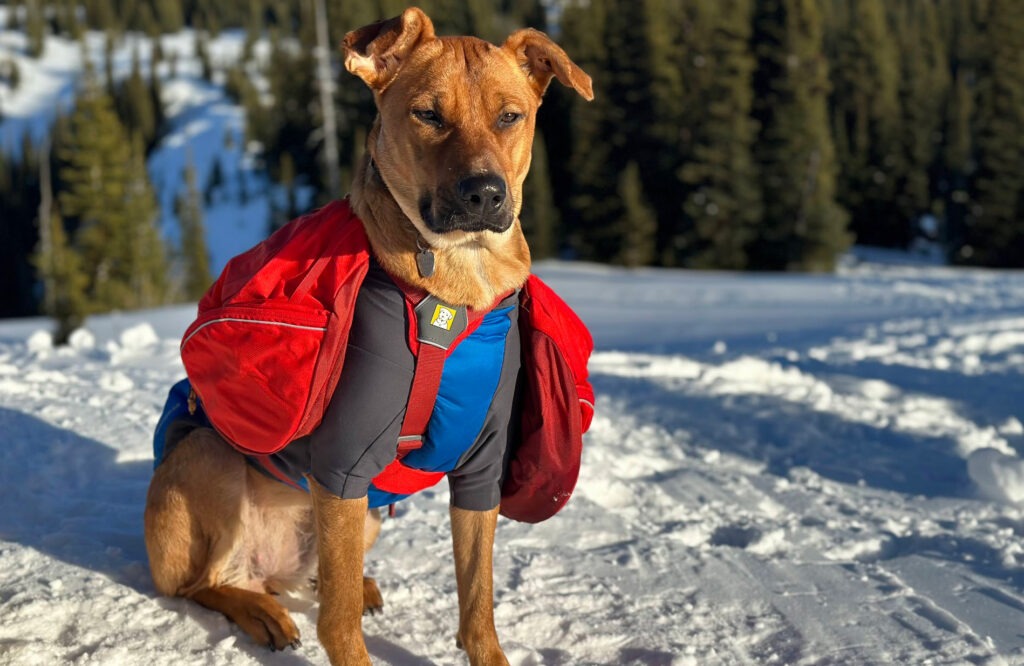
column 782, row 470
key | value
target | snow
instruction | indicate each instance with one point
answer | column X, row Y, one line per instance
column 782, row 470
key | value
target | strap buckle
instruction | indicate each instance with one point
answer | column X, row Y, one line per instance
column 408, row 444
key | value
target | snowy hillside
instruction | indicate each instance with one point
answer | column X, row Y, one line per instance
column 783, row 470
column 205, row 127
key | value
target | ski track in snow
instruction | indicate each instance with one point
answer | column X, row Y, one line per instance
column 838, row 494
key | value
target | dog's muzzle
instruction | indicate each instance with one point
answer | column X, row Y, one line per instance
column 475, row 203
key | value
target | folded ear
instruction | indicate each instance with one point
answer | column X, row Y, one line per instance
column 542, row 59
column 376, row 52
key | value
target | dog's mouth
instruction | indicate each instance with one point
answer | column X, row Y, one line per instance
column 476, row 203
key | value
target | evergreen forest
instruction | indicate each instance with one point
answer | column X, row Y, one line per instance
column 763, row 135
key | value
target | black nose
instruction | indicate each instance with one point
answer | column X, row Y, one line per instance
column 482, row 195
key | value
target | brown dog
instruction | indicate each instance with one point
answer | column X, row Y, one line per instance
column 445, row 164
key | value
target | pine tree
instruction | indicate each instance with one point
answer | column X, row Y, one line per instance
column 11, row 73
column 19, row 202
column 289, row 124
column 524, row 14
column 865, row 104
column 280, row 214
column 678, row 42
column 14, row 15
column 35, row 27
column 195, row 262
column 253, row 29
column 803, row 227
column 214, row 182
column 100, row 15
column 155, row 91
column 135, row 104
column 484, row 21
column 169, row 16
column 202, row 52
column 590, row 168
column 923, row 91
column 59, row 265
column 638, row 224
column 995, row 223
column 956, row 160
column 108, row 61
column 145, row 266
column 724, row 204
column 106, row 195
column 67, row 19
column 539, row 215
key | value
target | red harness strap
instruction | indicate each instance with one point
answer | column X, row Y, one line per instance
column 398, row 477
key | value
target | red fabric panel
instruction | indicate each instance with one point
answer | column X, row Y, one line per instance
column 267, row 349
column 557, row 407
column 403, row 480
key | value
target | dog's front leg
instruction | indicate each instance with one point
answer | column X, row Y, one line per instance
column 473, row 543
column 339, row 531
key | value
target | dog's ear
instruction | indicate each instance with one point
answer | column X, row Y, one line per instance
column 542, row 59
column 376, row 52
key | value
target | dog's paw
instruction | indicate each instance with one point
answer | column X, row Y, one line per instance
column 295, row 645
column 270, row 625
column 483, row 653
column 373, row 602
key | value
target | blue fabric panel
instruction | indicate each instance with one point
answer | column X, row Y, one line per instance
column 176, row 407
column 379, row 498
column 470, row 378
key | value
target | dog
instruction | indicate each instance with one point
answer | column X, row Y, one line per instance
column 442, row 177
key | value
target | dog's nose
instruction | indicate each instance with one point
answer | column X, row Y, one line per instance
column 482, row 194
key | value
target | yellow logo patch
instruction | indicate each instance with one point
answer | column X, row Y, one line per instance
column 443, row 317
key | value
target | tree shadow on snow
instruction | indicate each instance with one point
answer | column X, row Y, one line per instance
column 784, row 435
column 67, row 496
column 988, row 399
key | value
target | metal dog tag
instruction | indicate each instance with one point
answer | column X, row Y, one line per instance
column 425, row 263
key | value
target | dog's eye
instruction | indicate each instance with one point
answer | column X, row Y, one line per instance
column 509, row 118
column 428, row 116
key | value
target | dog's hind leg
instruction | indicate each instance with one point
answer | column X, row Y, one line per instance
column 196, row 518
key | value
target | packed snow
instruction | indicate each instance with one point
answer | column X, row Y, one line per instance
column 782, row 470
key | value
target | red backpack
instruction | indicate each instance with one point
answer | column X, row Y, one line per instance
column 265, row 354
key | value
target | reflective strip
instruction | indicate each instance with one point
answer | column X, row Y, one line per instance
column 252, row 321
column 587, row 402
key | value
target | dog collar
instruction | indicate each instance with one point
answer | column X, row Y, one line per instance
column 424, row 254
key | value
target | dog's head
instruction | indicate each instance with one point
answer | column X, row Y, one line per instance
column 456, row 120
